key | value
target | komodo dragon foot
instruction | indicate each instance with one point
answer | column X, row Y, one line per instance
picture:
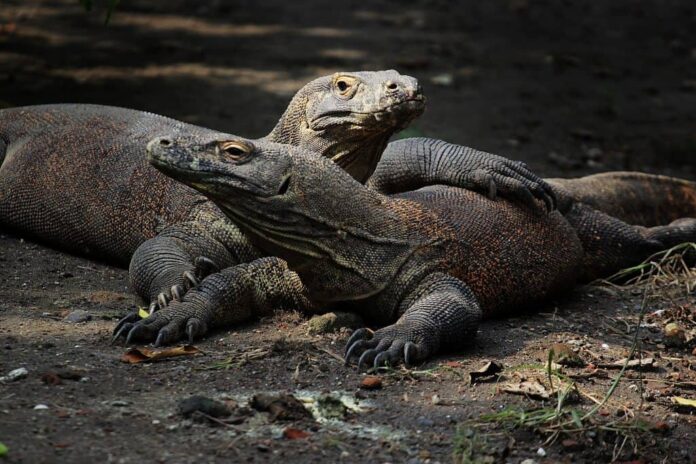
column 203, row 267
column 224, row 298
column 189, row 280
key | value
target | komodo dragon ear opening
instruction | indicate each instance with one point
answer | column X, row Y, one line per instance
column 285, row 185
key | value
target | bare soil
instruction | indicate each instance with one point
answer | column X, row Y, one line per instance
column 569, row 87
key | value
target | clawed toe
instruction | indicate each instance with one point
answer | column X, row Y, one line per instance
column 204, row 267
column 379, row 349
column 190, row 280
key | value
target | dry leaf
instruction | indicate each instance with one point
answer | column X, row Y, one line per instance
column 679, row 401
column 294, row 434
column 139, row 355
column 490, row 369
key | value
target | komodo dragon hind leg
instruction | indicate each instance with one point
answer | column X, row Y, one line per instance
column 610, row 244
column 230, row 296
column 445, row 315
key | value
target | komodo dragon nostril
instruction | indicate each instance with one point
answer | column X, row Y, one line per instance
column 165, row 142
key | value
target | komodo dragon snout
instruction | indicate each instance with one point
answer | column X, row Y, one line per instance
column 220, row 167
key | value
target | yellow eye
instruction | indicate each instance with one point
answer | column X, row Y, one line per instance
column 345, row 86
column 235, row 150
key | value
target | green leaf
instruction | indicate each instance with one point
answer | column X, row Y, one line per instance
column 3, row 449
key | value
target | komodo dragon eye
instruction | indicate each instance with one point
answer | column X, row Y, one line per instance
column 345, row 86
column 235, row 150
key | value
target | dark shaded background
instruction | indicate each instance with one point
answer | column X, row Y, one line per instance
column 569, row 87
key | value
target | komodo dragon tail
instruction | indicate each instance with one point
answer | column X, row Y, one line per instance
column 634, row 197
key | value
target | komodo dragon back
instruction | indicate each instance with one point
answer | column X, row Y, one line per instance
column 77, row 175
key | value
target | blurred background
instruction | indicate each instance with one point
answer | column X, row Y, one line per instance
column 570, row 87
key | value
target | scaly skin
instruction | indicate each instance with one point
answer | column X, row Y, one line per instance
column 75, row 176
column 429, row 263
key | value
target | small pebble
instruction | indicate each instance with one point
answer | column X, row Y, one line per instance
column 423, row 421
column 371, row 382
column 14, row 375
column 541, row 452
column 208, row 406
column 40, row 407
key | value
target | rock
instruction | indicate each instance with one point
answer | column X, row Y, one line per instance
column 332, row 322
column 280, row 407
column 674, row 335
column 371, row 382
column 14, row 375
column 423, row 421
column 40, row 407
column 62, row 303
column 78, row 316
column 565, row 356
column 208, row 406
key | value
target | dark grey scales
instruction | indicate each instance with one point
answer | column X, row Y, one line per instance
column 76, row 176
column 426, row 264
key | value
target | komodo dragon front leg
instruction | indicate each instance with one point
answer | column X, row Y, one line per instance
column 167, row 266
column 410, row 164
column 441, row 314
column 231, row 296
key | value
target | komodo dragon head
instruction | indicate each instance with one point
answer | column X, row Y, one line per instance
column 350, row 116
column 298, row 206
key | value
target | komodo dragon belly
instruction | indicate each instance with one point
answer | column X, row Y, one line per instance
column 509, row 255
column 77, row 176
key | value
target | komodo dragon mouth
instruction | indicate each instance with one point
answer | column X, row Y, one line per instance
column 392, row 115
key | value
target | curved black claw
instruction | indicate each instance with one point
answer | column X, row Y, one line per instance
column 177, row 292
column 131, row 317
column 163, row 300
column 152, row 308
column 123, row 326
column 180, row 320
column 359, row 334
column 190, row 280
column 204, row 267
column 386, row 347
column 194, row 328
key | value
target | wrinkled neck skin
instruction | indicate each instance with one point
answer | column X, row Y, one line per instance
column 353, row 148
column 342, row 250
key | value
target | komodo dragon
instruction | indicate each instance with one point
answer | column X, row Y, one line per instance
column 435, row 260
column 76, row 176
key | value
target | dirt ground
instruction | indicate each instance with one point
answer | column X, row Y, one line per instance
column 569, row 87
